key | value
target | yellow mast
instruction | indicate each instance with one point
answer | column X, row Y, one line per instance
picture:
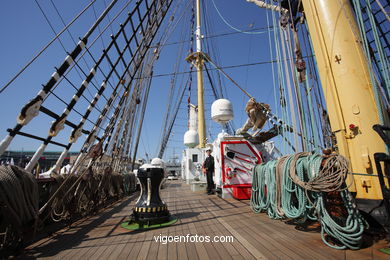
column 347, row 88
column 199, row 64
column 198, row 60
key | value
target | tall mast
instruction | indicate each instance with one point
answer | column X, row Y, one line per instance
column 198, row 59
column 347, row 88
column 345, row 79
column 199, row 65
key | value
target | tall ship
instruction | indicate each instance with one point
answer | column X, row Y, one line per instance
column 195, row 129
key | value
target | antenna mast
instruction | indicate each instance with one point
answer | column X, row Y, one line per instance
column 198, row 60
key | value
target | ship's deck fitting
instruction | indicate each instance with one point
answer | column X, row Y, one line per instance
column 255, row 235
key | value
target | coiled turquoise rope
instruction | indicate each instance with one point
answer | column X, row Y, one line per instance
column 301, row 204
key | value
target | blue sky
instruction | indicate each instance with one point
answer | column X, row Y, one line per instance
column 24, row 32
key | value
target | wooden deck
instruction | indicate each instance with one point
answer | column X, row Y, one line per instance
column 255, row 235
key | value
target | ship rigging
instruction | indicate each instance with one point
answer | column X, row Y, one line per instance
column 312, row 149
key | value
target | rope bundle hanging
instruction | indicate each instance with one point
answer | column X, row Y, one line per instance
column 93, row 191
column 19, row 194
column 331, row 176
column 299, row 186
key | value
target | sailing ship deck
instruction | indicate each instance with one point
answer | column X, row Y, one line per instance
column 255, row 235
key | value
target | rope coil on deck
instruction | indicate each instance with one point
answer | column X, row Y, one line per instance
column 298, row 187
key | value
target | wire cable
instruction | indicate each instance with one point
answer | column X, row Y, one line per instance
column 231, row 26
column 44, row 48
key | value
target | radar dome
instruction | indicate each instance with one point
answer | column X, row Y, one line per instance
column 222, row 111
column 191, row 138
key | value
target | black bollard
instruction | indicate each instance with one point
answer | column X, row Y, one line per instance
column 150, row 209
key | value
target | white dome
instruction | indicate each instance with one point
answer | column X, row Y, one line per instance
column 157, row 162
column 222, row 111
column 191, row 138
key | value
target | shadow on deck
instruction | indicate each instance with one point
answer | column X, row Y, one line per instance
column 255, row 236
column 69, row 239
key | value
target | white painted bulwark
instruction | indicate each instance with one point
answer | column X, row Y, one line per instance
column 193, row 159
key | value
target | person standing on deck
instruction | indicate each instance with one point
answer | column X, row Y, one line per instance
column 208, row 169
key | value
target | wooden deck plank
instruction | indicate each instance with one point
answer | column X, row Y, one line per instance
column 239, row 232
column 203, row 227
column 200, row 248
column 154, row 248
column 162, row 252
column 194, row 250
column 77, row 237
column 260, row 249
column 117, row 236
column 137, row 246
column 362, row 254
column 220, row 230
column 217, row 230
column 190, row 247
column 255, row 235
column 236, row 246
column 316, row 249
column 238, row 257
column 277, row 240
column 98, row 237
column 376, row 254
column 178, row 210
column 108, row 245
column 148, row 243
column 131, row 241
column 280, row 231
column 121, row 244
column 132, row 244
column 181, row 247
column 171, row 201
